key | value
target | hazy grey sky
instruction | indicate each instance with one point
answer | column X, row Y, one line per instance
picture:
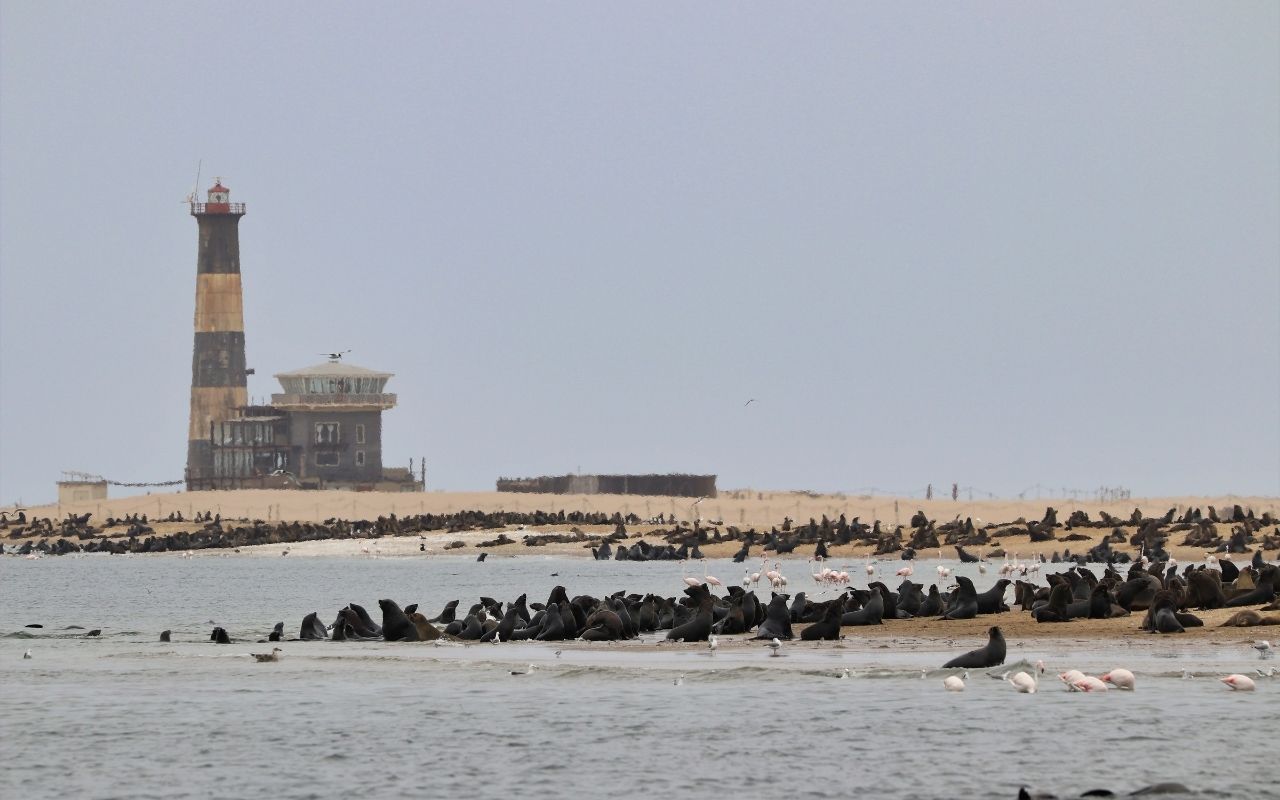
column 994, row 243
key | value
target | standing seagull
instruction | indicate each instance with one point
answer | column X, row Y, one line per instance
column 775, row 646
column 28, row 653
column 1264, row 648
column 713, row 643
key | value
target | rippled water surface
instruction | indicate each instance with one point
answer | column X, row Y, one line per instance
column 124, row 715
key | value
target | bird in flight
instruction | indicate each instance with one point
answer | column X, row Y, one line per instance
column 336, row 356
column 749, row 402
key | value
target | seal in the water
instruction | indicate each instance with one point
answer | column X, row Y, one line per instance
column 277, row 633
column 312, row 629
column 446, row 616
column 367, row 626
column 426, row 631
column 220, row 636
column 989, row 656
column 164, row 636
column 396, row 627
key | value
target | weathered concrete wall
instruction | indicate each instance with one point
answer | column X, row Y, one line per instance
column 661, row 485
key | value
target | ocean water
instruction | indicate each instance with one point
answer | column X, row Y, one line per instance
column 126, row 716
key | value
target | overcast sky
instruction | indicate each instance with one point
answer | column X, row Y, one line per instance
column 1001, row 244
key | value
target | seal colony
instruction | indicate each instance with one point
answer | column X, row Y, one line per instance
column 1155, row 598
column 627, row 536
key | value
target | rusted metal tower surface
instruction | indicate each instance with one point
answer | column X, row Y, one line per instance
column 218, row 384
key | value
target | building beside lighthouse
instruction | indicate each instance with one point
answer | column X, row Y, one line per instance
column 322, row 431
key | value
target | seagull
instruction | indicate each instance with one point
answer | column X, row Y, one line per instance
column 1264, row 648
column 335, row 356
column 1269, row 673
column 27, row 654
column 844, row 674
column 749, row 402
column 713, row 643
column 528, row 671
column 558, row 652
column 775, row 646
column 274, row 655
column 679, row 681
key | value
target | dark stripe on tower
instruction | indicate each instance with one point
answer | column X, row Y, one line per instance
column 219, row 243
column 218, row 360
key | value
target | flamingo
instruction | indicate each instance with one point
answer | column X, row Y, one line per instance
column 906, row 572
column 1089, row 684
column 982, row 568
column 775, row 577
column 1024, row 683
column 746, row 578
column 711, row 579
column 943, row 572
column 843, row 576
column 1120, row 678
column 1070, row 677
column 871, row 569
column 954, row 683
column 1239, row 683
column 687, row 579
column 821, row 574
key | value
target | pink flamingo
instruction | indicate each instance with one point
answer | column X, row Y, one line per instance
column 1120, row 678
column 1070, row 677
column 1089, row 684
column 687, row 579
column 1239, row 683
column 954, row 683
column 906, row 572
column 1027, row 684
column 711, row 579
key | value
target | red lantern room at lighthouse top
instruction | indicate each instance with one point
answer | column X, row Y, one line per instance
column 219, row 202
column 219, row 198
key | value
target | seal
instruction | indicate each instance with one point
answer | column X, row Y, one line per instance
column 1247, row 619
column 220, row 636
column 992, row 654
column 1056, row 609
column 777, row 620
column 164, row 636
column 992, row 600
column 312, row 629
column 698, row 628
column 1204, row 590
column 932, row 605
column 964, row 605
column 396, row 627
column 1263, row 591
column 276, row 633
column 827, row 628
column 870, row 614
column 1162, row 615
column 367, row 626
column 552, row 624
column 446, row 616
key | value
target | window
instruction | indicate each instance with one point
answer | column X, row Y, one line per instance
column 359, row 434
column 326, row 459
column 359, row 458
column 326, row 433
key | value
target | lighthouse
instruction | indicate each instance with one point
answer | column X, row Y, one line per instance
column 218, row 385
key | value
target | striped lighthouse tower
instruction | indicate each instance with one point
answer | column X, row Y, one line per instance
column 218, row 387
